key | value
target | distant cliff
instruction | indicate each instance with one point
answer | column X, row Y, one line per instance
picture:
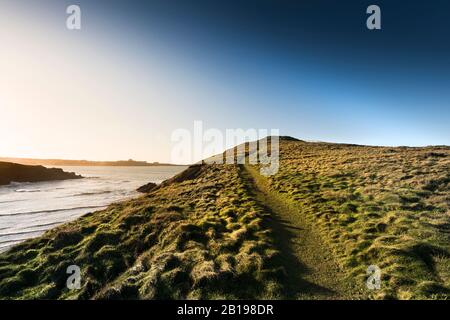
column 21, row 173
column 62, row 162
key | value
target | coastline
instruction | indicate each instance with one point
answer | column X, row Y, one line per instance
column 212, row 226
column 13, row 172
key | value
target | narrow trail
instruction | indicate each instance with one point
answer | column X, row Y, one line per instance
column 312, row 272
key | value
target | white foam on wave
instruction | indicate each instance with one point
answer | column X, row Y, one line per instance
column 48, row 211
column 28, row 190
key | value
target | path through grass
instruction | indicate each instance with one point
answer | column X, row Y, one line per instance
column 312, row 272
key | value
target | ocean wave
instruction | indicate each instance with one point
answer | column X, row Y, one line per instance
column 27, row 190
column 92, row 193
column 15, row 184
column 49, row 211
column 6, row 245
column 18, row 233
column 9, row 201
column 40, row 225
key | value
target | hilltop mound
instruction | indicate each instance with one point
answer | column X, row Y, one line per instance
column 224, row 231
column 10, row 172
column 289, row 138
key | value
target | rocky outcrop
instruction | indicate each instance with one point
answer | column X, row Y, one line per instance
column 147, row 187
column 190, row 173
column 10, row 172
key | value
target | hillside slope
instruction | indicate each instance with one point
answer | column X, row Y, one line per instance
column 224, row 231
column 382, row 206
column 200, row 238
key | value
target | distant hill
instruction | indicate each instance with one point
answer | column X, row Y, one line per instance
column 10, row 172
column 61, row 162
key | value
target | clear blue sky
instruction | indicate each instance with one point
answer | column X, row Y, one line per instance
column 140, row 69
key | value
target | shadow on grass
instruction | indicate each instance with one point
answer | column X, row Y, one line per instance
column 294, row 284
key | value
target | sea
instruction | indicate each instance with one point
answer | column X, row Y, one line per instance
column 29, row 209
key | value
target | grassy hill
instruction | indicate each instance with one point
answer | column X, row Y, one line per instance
column 224, row 231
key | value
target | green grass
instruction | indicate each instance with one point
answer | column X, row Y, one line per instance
column 223, row 231
column 373, row 205
column 201, row 238
column 312, row 272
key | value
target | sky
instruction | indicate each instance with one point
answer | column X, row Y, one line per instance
column 138, row 70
